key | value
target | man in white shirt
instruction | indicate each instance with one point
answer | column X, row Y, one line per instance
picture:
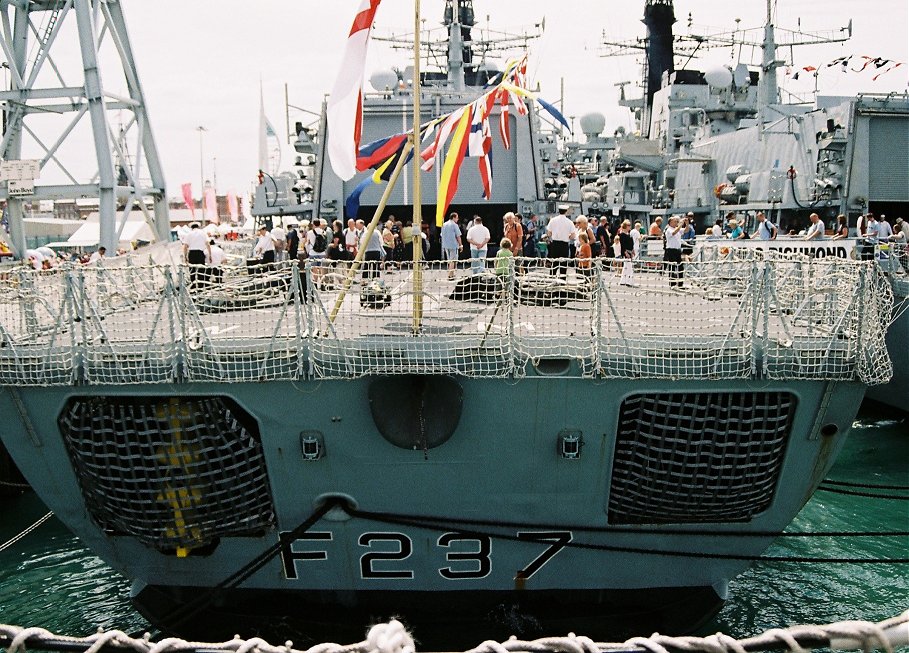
column 216, row 258
column 280, row 237
column 265, row 247
column 195, row 246
column 884, row 230
column 672, row 252
column 636, row 239
column 816, row 229
column 216, row 254
column 350, row 238
column 478, row 237
column 560, row 231
column 196, row 250
column 96, row 256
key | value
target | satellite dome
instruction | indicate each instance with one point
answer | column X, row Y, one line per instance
column 592, row 124
column 741, row 77
column 382, row 80
column 719, row 77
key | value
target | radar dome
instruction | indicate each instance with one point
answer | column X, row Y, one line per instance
column 741, row 77
column 593, row 124
column 719, row 77
column 382, row 80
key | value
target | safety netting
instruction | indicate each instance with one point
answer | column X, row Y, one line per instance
column 738, row 314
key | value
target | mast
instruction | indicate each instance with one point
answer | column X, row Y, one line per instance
column 455, row 48
column 768, row 92
column 417, row 233
column 659, row 16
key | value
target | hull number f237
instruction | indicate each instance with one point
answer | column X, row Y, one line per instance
column 385, row 554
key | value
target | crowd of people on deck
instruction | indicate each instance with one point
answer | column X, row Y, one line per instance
column 559, row 238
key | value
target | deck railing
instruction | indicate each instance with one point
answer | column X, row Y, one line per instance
column 747, row 314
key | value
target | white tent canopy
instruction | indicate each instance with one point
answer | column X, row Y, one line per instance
column 89, row 234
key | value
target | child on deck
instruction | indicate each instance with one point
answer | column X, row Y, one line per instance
column 584, row 255
column 503, row 266
column 617, row 254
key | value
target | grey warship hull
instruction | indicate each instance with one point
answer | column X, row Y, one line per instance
column 545, row 458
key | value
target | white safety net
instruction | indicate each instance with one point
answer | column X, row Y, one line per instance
column 738, row 314
column 825, row 319
column 387, row 320
column 36, row 328
column 126, row 324
column 243, row 323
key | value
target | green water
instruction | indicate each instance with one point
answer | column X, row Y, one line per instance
column 49, row 579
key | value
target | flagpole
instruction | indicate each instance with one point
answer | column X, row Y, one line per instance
column 361, row 252
column 417, row 233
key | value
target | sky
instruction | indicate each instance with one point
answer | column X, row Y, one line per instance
column 201, row 63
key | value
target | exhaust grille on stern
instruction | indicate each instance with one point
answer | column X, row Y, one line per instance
column 176, row 474
column 698, row 457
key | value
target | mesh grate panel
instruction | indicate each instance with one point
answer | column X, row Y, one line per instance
column 698, row 457
column 170, row 472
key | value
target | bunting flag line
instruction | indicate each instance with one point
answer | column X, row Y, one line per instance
column 444, row 131
column 555, row 113
column 840, row 61
column 448, row 183
column 352, row 204
column 466, row 132
column 382, row 156
column 878, row 65
column 896, row 64
column 379, row 151
column 345, row 105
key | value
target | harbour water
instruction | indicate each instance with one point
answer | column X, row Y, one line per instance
column 49, row 579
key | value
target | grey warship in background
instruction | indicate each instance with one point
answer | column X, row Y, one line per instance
column 723, row 141
column 529, row 457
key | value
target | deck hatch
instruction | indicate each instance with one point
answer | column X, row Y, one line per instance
column 176, row 474
column 698, row 457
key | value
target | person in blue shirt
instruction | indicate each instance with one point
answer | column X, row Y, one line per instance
column 451, row 243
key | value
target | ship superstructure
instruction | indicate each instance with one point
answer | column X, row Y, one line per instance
column 722, row 141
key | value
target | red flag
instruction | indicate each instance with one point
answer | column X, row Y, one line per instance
column 211, row 206
column 345, row 104
column 504, row 125
column 188, row 199
column 232, row 206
